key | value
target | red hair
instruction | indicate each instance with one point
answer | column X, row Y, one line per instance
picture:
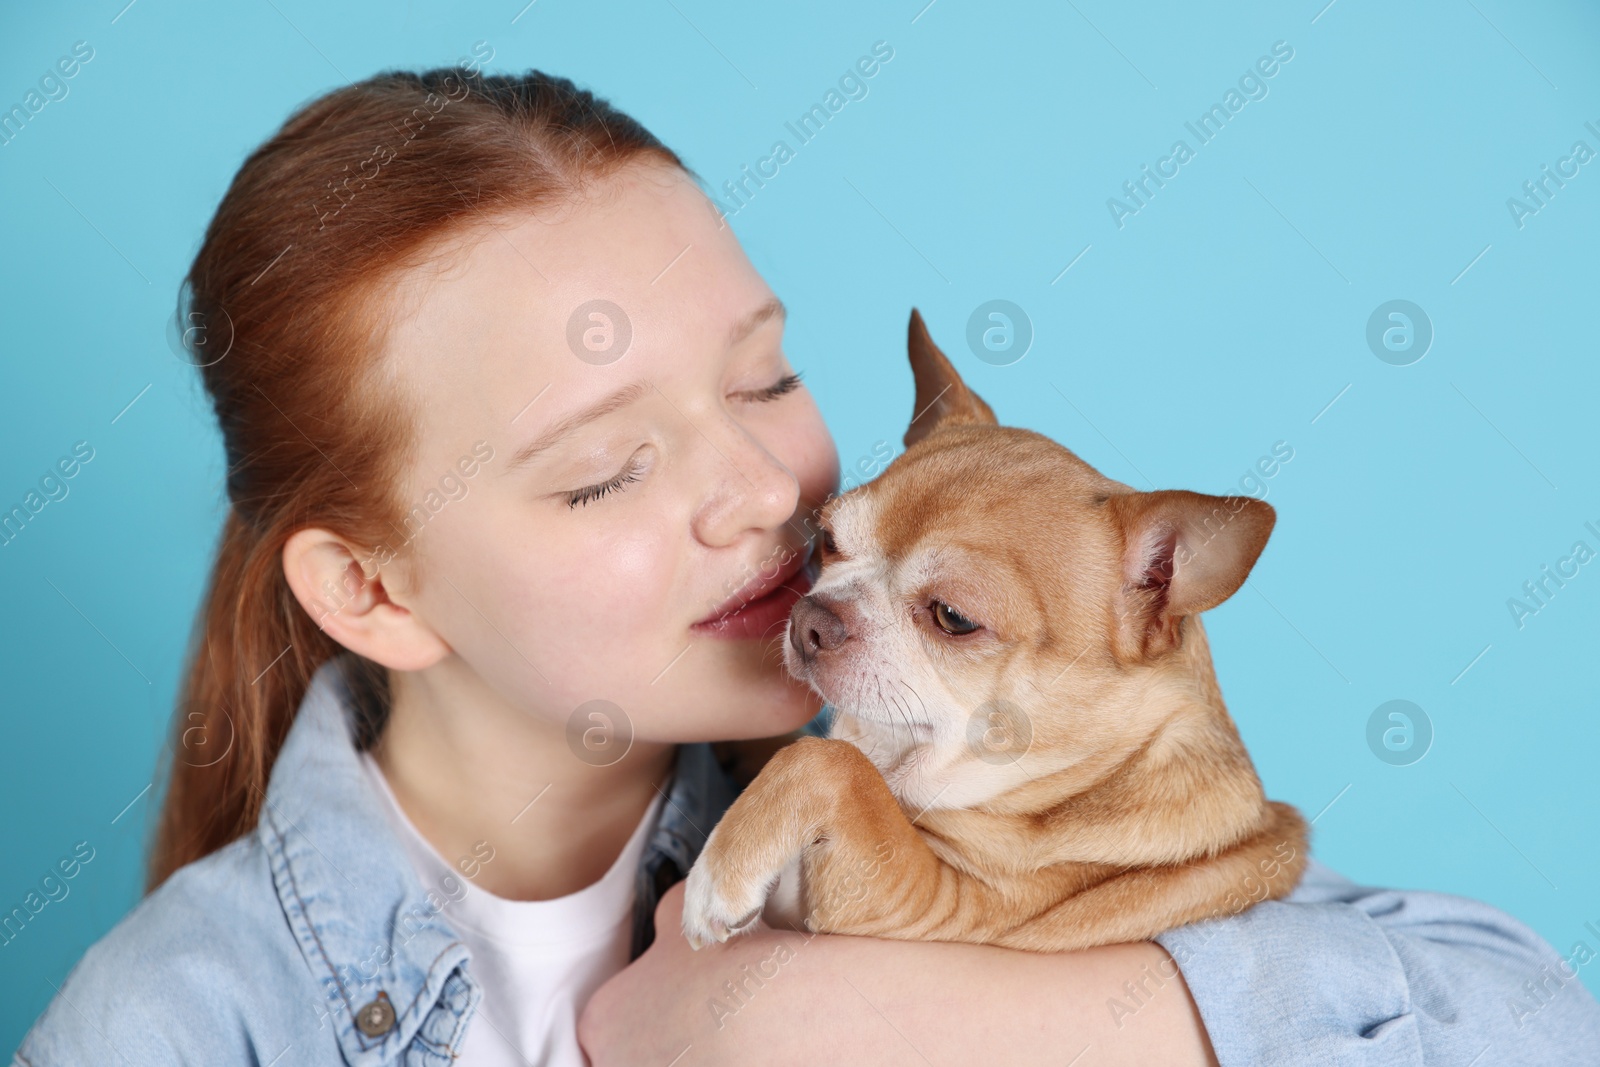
column 283, row 307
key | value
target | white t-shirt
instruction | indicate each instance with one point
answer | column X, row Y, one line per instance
column 537, row 961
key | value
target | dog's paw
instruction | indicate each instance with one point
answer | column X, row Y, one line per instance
column 715, row 905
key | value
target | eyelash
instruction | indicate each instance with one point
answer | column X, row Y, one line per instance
column 787, row 384
column 630, row 473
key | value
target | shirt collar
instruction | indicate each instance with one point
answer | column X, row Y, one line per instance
column 368, row 928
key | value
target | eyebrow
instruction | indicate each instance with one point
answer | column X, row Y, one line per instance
column 572, row 423
column 740, row 330
column 753, row 321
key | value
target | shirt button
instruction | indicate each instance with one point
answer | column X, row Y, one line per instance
column 377, row 1018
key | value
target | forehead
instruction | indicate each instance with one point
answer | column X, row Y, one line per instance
column 979, row 490
column 483, row 326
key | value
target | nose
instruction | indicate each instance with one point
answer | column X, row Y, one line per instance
column 813, row 628
column 754, row 490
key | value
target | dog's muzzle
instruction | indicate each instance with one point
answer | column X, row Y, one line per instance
column 814, row 628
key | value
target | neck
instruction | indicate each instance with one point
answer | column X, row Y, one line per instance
column 475, row 774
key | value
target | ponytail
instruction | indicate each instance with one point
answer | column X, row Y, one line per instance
column 252, row 658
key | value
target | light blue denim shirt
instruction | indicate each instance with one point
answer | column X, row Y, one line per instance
column 312, row 942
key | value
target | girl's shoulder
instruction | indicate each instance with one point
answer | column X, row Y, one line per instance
column 203, row 970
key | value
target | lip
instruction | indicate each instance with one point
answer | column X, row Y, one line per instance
column 763, row 603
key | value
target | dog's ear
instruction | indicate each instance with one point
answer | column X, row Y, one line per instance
column 942, row 397
column 1182, row 553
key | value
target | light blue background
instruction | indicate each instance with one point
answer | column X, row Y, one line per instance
column 1221, row 319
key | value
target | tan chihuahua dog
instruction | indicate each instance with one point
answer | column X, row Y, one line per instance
column 1030, row 748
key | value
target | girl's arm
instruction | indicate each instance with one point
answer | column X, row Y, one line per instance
column 1336, row 973
column 779, row 997
column 1399, row 977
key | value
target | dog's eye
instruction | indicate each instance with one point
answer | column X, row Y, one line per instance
column 952, row 621
column 826, row 543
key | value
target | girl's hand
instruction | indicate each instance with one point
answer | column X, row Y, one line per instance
column 779, row 997
column 673, row 1000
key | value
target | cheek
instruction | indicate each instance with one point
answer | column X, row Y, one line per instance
column 593, row 590
column 577, row 597
column 621, row 578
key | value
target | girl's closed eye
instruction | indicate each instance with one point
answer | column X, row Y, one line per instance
column 631, row 472
column 635, row 469
column 787, row 384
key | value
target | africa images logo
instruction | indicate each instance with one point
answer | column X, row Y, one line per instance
column 1252, row 85
column 852, row 85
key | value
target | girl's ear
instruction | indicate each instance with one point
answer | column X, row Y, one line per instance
column 325, row 574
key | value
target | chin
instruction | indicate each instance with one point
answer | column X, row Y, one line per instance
column 749, row 693
column 778, row 706
column 793, row 705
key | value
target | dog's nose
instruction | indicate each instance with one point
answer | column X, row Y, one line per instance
column 813, row 628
